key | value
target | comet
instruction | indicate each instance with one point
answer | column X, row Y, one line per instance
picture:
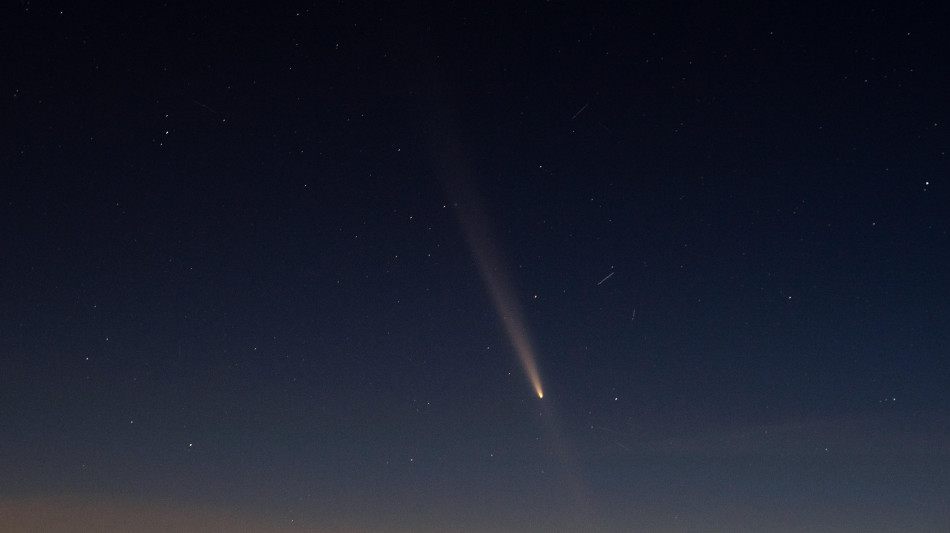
column 499, row 287
column 477, row 229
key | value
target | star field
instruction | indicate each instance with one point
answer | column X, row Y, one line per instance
column 532, row 267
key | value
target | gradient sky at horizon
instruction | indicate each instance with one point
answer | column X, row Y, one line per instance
column 250, row 256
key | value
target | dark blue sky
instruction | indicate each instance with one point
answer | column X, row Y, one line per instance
column 245, row 275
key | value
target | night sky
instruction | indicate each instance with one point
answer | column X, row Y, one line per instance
column 309, row 267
